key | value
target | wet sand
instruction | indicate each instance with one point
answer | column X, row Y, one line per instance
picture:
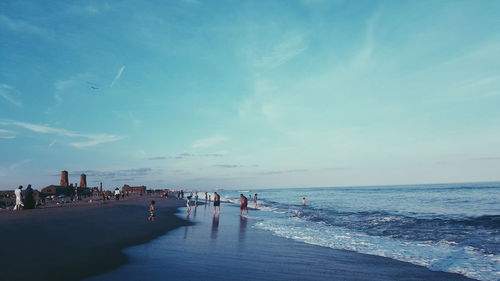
column 229, row 248
column 73, row 243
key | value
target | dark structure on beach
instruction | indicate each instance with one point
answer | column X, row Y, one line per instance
column 64, row 179
column 57, row 190
column 66, row 189
column 83, row 180
column 134, row 189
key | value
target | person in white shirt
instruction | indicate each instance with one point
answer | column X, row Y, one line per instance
column 117, row 194
column 19, row 200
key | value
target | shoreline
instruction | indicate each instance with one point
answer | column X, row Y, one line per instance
column 79, row 241
column 231, row 245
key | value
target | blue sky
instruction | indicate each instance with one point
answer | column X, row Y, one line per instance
column 249, row 94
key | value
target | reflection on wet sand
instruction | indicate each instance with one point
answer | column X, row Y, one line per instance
column 243, row 228
column 215, row 226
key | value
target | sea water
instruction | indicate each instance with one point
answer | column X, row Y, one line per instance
column 444, row 227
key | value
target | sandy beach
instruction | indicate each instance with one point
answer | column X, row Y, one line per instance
column 73, row 243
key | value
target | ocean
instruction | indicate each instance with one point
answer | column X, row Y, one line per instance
column 444, row 227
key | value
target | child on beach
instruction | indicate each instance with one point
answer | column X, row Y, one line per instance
column 152, row 211
column 244, row 204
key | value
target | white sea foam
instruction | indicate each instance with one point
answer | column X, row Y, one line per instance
column 338, row 223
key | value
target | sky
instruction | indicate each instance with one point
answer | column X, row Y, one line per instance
column 249, row 94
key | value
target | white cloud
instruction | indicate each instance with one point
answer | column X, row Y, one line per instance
column 209, row 142
column 6, row 134
column 95, row 140
column 91, row 139
column 6, row 91
column 117, row 77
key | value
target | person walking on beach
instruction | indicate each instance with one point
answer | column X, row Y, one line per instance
column 152, row 211
column 304, row 201
column 196, row 199
column 243, row 204
column 216, row 203
column 188, row 203
column 19, row 199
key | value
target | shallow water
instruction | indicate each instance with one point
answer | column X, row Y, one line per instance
column 228, row 247
column 445, row 227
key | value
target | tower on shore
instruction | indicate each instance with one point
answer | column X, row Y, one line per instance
column 64, row 179
column 83, row 180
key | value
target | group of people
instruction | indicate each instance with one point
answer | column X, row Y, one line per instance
column 195, row 197
column 207, row 197
column 28, row 202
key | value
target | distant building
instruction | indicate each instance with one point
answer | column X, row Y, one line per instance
column 57, row 190
column 63, row 190
column 134, row 189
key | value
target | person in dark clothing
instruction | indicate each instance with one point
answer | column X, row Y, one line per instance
column 29, row 201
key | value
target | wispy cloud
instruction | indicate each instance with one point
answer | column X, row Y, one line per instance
column 130, row 173
column 157, row 158
column 21, row 26
column 213, row 155
column 6, row 91
column 186, row 155
column 122, row 180
column 117, row 77
column 226, row 166
column 208, row 142
column 91, row 139
column 6, row 134
column 279, row 172
column 282, row 52
column 369, row 44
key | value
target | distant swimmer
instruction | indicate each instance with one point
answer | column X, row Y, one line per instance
column 255, row 200
column 244, row 204
column 216, row 203
column 303, row 201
